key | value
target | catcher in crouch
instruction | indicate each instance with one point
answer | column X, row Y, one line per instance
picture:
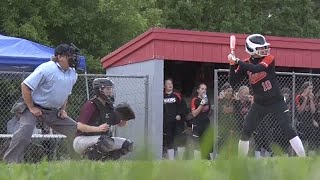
column 94, row 139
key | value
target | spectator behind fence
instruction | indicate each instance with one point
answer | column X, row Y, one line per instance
column 306, row 107
column 94, row 139
column 45, row 93
column 278, row 137
column 317, row 119
column 174, row 113
column 241, row 107
column 200, row 109
column 226, row 119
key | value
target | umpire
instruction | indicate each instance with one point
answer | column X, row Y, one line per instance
column 45, row 93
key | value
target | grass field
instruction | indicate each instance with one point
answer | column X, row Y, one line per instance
column 232, row 169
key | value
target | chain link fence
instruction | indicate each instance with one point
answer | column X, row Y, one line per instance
column 48, row 144
column 302, row 94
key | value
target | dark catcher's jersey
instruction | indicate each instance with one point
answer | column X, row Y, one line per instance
column 262, row 77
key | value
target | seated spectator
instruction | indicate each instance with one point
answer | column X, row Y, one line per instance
column 241, row 107
column 278, row 137
column 306, row 107
column 226, row 120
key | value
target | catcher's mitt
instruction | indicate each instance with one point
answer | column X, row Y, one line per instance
column 124, row 111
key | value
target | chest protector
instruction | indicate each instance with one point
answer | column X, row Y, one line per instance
column 105, row 115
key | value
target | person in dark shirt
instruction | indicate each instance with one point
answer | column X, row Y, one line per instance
column 241, row 107
column 226, row 118
column 308, row 127
column 260, row 69
column 174, row 112
column 201, row 110
column 94, row 138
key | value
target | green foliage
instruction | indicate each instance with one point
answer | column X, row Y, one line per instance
column 282, row 18
column 96, row 26
column 233, row 169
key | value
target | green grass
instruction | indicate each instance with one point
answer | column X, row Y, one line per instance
column 232, row 169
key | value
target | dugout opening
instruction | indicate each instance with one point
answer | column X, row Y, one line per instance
column 186, row 75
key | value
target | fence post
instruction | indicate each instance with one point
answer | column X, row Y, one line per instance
column 215, row 113
column 23, row 75
column 293, row 97
column 146, row 123
column 86, row 82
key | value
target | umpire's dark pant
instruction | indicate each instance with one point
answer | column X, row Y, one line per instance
column 22, row 137
column 258, row 112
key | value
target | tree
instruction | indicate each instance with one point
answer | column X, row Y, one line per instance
column 297, row 18
column 96, row 26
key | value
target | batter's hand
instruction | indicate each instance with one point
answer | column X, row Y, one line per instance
column 233, row 59
column 178, row 117
column 36, row 111
column 62, row 114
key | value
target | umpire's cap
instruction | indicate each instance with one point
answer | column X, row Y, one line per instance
column 65, row 49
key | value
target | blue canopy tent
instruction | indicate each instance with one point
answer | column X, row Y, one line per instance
column 21, row 55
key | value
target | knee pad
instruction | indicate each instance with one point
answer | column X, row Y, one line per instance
column 92, row 153
column 113, row 155
column 105, row 144
column 99, row 150
column 127, row 147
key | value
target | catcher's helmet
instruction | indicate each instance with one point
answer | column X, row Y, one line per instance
column 99, row 84
column 256, row 44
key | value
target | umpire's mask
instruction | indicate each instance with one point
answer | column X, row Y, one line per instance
column 72, row 53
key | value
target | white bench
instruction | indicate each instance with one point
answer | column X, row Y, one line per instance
column 50, row 137
column 45, row 136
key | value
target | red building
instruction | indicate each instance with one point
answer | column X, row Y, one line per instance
column 212, row 47
column 190, row 57
column 195, row 53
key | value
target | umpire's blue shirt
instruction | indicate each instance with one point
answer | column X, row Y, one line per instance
column 51, row 85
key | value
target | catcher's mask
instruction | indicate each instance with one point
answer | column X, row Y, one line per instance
column 256, row 44
column 104, row 88
column 71, row 52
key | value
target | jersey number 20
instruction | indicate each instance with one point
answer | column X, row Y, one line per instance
column 266, row 85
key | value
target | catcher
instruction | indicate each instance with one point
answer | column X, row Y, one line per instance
column 94, row 139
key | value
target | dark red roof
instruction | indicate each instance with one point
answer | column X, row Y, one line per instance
column 185, row 45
